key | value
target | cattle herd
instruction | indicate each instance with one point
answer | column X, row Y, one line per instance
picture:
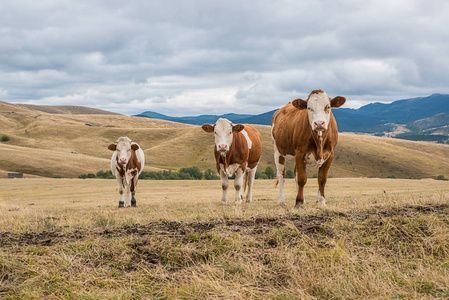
column 304, row 131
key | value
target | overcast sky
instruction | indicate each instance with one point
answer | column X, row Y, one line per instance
column 211, row 57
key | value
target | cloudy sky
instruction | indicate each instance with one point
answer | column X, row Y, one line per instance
column 191, row 57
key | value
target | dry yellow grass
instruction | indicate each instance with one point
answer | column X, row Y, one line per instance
column 376, row 238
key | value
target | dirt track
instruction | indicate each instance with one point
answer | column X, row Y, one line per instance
column 308, row 224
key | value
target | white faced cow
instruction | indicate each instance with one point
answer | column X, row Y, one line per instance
column 237, row 151
column 305, row 131
column 127, row 163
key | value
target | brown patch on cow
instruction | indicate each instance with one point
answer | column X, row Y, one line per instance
column 281, row 160
column 299, row 104
column 120, row 170
column 112, row 147
column 208, row 128
column 315, row 92
column 237, row 128
column 338, row 101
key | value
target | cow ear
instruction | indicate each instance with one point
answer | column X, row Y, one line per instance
column 299, row 104
column 237, row 128
column 338, row 101
column 208, row 128
column 112, row 147
column 134, row 147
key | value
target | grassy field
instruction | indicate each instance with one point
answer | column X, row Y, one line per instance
column 376, row 238
column 69, row 145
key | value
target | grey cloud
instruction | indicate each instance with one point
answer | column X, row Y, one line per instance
column 202, row 56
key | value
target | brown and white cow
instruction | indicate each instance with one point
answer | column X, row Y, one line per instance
column 237, row 151
column 305, row 131
column 127, row 163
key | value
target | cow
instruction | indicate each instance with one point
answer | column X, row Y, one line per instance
column 127, row 163
column 306, row 132
column 237, row 151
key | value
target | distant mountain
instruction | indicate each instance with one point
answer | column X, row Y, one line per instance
column 198, row 120
column 424, row 118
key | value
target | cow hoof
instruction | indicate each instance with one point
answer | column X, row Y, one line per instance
column 121, row 204
column 282, row 204
column 133, row 203
column 223, row 203
column 299, row 205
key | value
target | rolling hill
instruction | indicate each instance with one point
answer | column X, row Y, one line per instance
column 69, row 144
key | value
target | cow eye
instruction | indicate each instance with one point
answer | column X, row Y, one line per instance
column 327, row 109
column 310, row 109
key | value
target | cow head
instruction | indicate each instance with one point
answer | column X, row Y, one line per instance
column 123, row 146
column 223, row 130
column 318, row 106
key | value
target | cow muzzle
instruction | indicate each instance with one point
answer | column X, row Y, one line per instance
column 319, row 125
column 122, row 161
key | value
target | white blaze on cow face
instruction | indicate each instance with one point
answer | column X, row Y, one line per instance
column 123, row 149
column 223, row 131
column 318, row 110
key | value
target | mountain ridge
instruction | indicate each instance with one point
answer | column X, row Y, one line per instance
column 380, row 119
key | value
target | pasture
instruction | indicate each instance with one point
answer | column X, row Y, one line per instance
column 376, row 238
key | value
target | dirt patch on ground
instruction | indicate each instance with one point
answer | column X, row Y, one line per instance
column 309, row 224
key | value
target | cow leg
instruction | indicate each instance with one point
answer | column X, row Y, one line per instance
column 280, row 172
column 121, row 190
column 128, row 196
column 322, row 179
column 251, row 175
column 238, row 185
column 133, row 191
column 301, row 180
column 224, row 186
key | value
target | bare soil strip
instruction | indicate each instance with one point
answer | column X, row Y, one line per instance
column 308, row 224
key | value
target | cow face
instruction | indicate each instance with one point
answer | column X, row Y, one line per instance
column 223, row 130
column 318, row 107
column 123, row 147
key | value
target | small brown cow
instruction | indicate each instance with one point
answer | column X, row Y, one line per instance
column 127, row 163
column 305, row 131
column 237, row 151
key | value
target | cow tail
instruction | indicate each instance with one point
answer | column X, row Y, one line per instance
column 245, row 181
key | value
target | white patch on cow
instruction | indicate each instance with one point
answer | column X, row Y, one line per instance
column 289, row 157
column 320, row 199
column 313, row 162
column 223, row 134
column 250, row 144
column 230, row 170
column 316, row 109
column 129, row 176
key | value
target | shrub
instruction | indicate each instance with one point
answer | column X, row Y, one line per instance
column 5, row 138
column 193, row 172
column 289, row 174
column 441, row 177
column 209, row 174
column 269, row 172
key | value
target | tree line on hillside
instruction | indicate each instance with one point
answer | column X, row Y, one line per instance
column 192, row 173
